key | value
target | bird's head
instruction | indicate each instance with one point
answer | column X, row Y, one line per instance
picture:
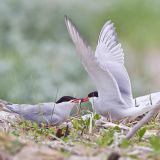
column 91, row 97
column 69, row 99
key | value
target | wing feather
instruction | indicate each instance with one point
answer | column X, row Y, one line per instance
column 103, row 79
column 109, row 45
column 109, row 54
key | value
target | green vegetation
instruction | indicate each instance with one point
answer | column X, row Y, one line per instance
column 155, row 143
column 104, row 140
column 141, row 133
column 107, row 138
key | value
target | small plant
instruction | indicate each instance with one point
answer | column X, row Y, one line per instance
column 33, row 129
column 155, row 143
column 107, row 138
column 125, row 143
column 97, row 116
column 141, row 132
column 80, row 124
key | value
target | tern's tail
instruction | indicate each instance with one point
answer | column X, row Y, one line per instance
column 137, row 111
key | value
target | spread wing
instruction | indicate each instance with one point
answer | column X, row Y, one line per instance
column 109, row 54
column 105, row 83
column 44, row 109
column 108, row 48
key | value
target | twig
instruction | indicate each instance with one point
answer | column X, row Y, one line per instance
column 150, row 99
column 145, row 119
column 67, row 131
column 110, row 124
column 135, row 100
column 83, row 130
column 91, row 124
column 143, row 148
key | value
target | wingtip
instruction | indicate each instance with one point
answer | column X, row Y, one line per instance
column 110, row 24
column 65, row 17
column 67, row 20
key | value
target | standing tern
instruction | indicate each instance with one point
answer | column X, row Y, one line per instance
column 48, row 113
column 107, row 70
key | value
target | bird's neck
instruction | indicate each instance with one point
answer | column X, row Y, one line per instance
column 93, row 101
column 67, row 107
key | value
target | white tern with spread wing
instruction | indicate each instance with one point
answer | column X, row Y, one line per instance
column 107, row 70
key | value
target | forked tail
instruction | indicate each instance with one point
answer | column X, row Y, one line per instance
column 137, row 111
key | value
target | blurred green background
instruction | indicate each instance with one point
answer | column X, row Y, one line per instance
column 37, row 58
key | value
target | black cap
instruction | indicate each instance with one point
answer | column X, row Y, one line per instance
column 93, row 94
column 65, row 99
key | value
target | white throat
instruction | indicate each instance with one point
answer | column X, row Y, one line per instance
column 66, row 107
column 93, row 100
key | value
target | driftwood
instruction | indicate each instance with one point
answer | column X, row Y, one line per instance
column 144, row 120
column 151, row 99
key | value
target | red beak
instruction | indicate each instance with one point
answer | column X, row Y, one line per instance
column 86, row 99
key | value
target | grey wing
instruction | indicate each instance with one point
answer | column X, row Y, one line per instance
column 46, row 119
column 44, row 108
column 104, row 81
column 109, row 54
column 20, row 108
column 40, row 113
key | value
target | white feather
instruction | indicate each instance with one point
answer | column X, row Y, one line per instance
column 108, row 73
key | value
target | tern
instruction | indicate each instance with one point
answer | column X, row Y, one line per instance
column 106, row 68
column 48, row 113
